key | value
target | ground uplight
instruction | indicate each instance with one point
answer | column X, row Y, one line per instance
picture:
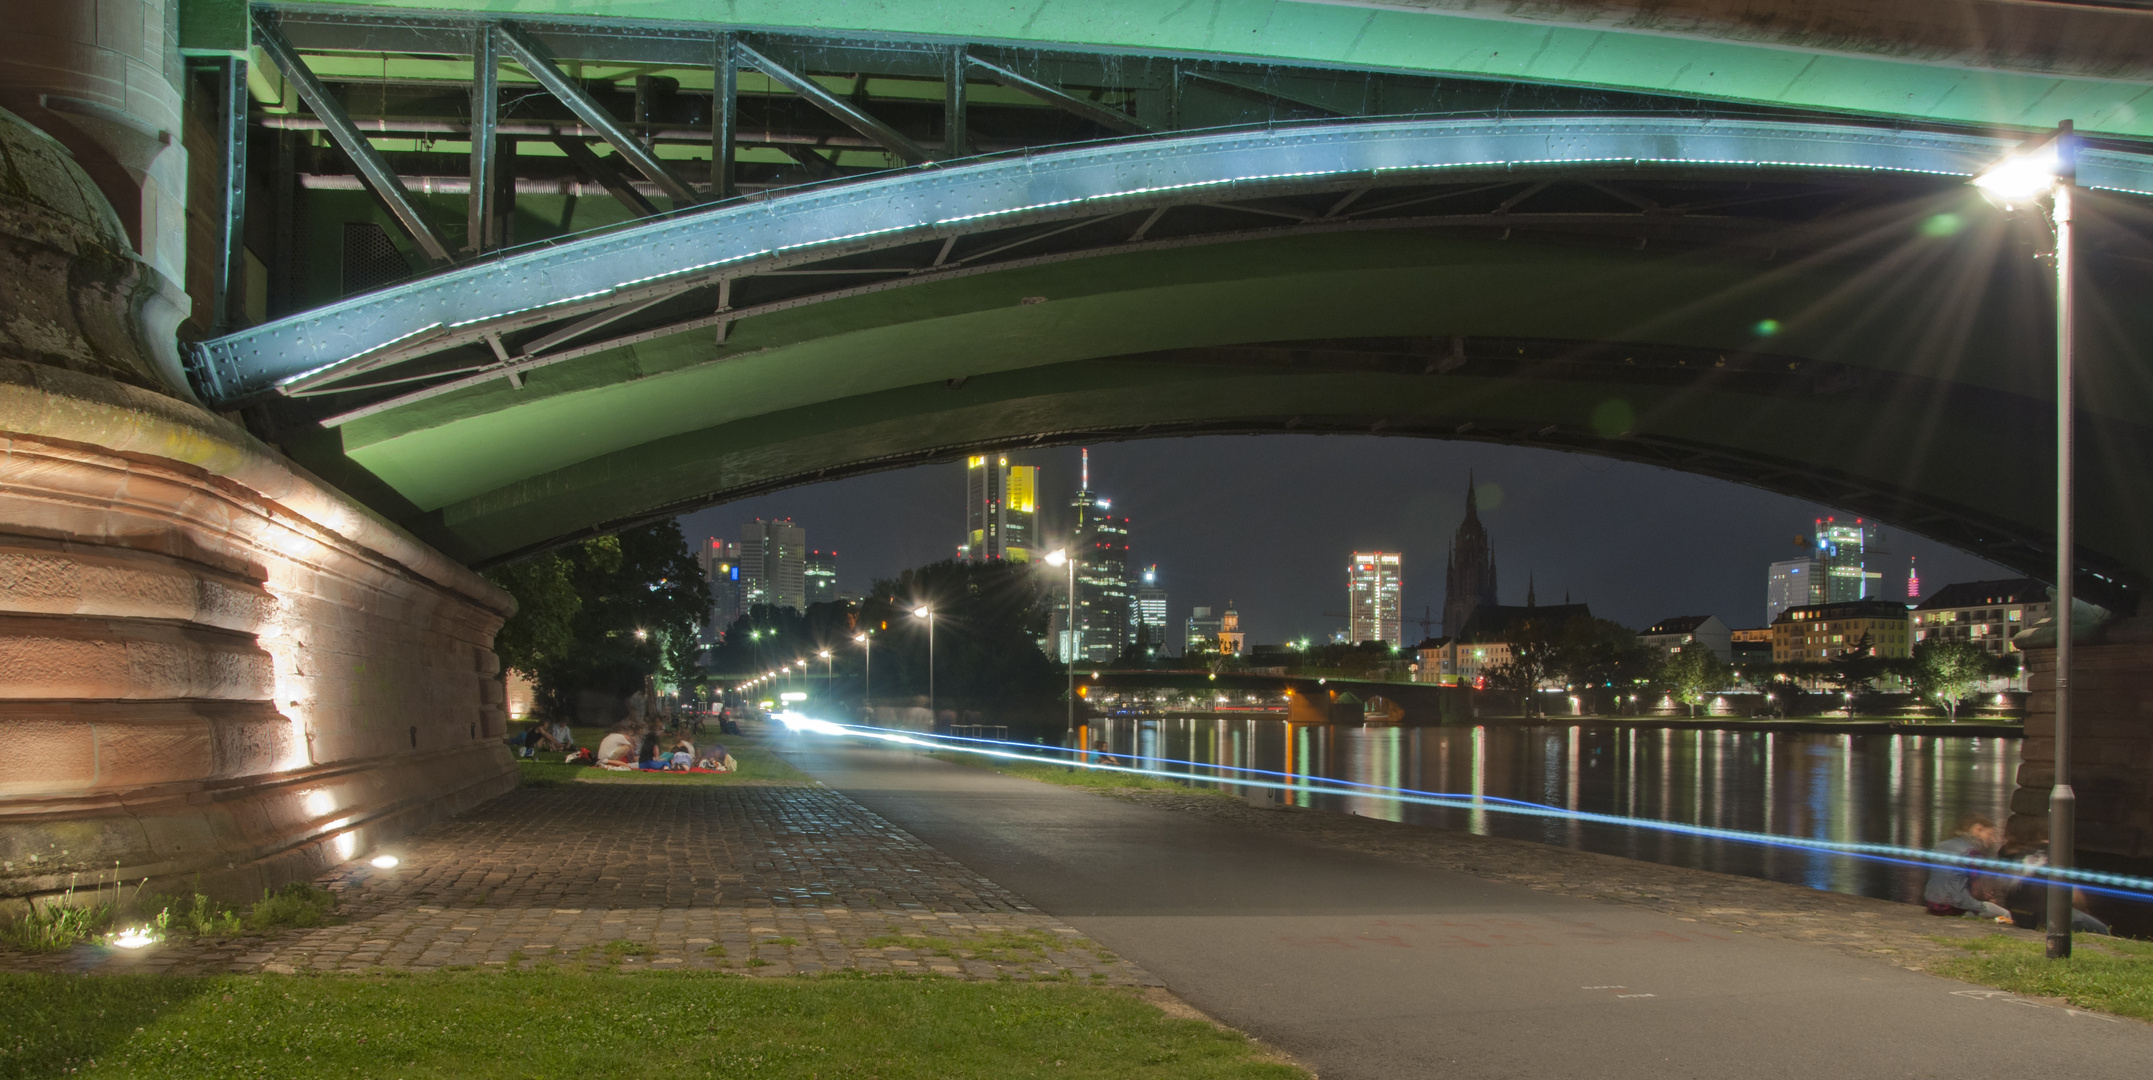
column 386, row 862
column 135, row 937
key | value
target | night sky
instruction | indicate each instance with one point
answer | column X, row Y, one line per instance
column 1269, row 522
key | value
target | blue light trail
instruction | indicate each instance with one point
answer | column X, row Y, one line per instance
column 2119, row 885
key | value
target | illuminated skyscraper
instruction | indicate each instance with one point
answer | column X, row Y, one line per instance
column 1850, row 560
column 1101, row 543
column 1471, row 577
column 1149, row 613
column 821, row 573
column 1792, row 583
column 720, row 560
column 773, row 564
column 1203, row 633
column 1372, row 586
column 1001, row 509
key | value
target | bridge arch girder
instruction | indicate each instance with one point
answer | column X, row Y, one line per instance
column 1956, row 478
column 1891, row 329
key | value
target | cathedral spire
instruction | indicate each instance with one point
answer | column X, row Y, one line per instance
column 1470, row 577
column 1529, row 599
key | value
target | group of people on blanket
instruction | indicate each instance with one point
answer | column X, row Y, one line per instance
column 630, row 745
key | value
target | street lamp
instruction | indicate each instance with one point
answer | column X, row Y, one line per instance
column 927, row 613
column 826, row 668
column 2049, row 166
column 867, row 669
column 1060, row 558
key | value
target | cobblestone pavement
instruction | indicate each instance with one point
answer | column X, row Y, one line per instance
column 1899, row 933
column 759, row 878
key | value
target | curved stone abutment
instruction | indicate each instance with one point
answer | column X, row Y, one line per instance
column 213, row 667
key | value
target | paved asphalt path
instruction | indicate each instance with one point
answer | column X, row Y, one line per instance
column 1364, row 968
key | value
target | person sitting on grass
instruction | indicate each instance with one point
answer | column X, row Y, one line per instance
column 557, row 736
column 681, row 757
column 527, row 742
column 617, row 749
column 1949, row 891
column 716, row 759
column 544, row 735
column 673, row 760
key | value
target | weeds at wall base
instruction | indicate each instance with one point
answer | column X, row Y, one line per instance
column 72, row 920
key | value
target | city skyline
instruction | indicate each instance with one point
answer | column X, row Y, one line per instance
column 1638, row 543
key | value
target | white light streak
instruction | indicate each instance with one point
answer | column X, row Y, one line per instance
column 2121, row 884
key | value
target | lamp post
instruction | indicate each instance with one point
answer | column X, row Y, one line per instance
column 1060, row 558
column 867, row 668
column 927, row 613
column 827, row 668
column 2049, row 167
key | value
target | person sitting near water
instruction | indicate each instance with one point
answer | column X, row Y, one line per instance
column 1949, row 890
column 617, row 749
column 2026, row 897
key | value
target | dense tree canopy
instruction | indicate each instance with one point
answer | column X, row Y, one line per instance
column 546, row 606
column 1535, row 660
column 597, row 619
column 989, row 618
column 1692, row 675
column 1597, row 658
column 1945, row 673
column 766, row 636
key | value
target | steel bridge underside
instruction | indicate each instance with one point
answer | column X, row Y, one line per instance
column 1823, row 310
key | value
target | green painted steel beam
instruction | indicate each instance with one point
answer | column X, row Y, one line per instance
column 1919, row 322
column 1441, row 44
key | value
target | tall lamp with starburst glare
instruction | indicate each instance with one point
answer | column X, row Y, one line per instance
column 1069, row 632
column 2046, row 169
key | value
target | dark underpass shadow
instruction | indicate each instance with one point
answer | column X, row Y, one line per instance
column 55, row 1025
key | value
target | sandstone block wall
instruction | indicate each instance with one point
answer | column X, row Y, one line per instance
column 211, row 664
column 2111, row 740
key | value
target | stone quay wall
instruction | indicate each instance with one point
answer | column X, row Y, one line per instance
column 2111, row 740
column 213, row 665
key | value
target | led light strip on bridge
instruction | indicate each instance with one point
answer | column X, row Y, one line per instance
column 2119, row 885
column 515, row 291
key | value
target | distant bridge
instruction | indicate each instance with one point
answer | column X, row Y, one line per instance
column 1317, row 699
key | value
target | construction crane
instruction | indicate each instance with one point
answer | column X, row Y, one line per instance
column 1426, row 622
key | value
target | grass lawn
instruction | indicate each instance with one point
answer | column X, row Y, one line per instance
column 757, row 762
column 2114, row 975
column 549, row 1023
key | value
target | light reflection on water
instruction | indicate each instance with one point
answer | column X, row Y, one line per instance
column 1876, row 788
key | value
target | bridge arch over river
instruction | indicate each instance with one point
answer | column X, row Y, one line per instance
column 1823, row 310
column 842, row 248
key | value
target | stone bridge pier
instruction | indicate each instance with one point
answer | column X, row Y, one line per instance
column 212, row 665
column 2111, row 744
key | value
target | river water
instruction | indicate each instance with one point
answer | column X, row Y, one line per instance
column 1906, row 790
